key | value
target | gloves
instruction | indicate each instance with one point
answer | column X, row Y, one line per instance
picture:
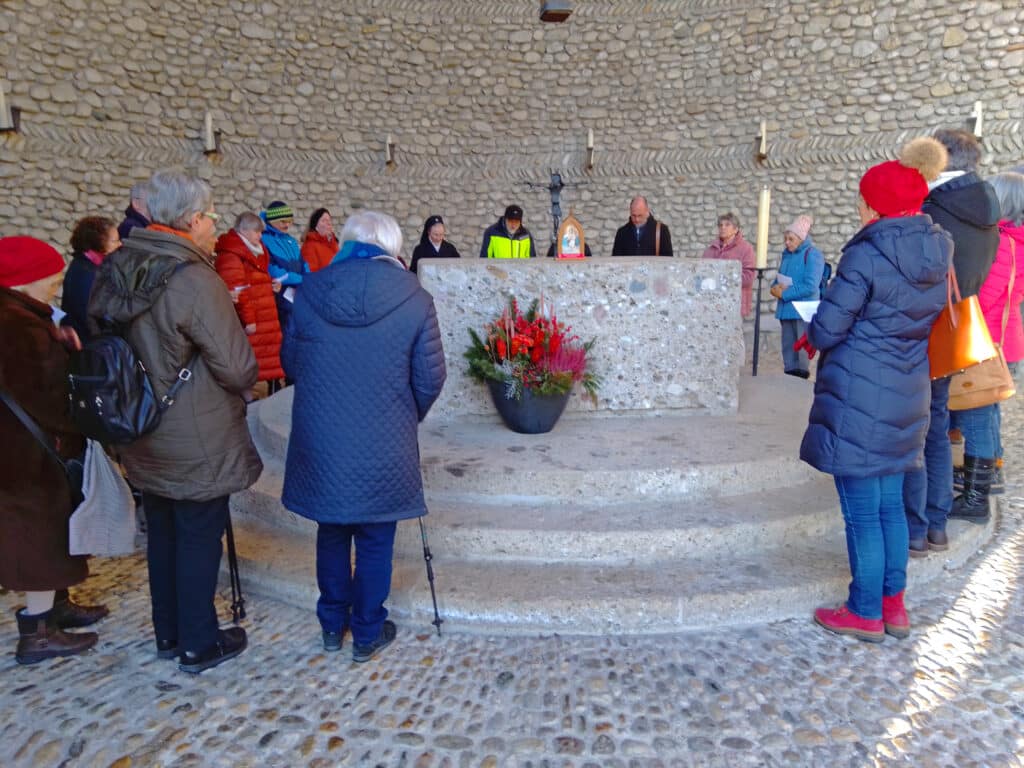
column 804, row 344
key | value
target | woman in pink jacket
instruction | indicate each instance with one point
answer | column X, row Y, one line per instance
column 731, row 245
column 981, row 426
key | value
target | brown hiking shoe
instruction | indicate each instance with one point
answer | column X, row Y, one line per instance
column 41, row 639
column 67, row 614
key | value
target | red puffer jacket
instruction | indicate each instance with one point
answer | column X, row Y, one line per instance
column 239, row 267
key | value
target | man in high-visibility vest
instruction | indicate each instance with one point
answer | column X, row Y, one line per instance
column 507, row 238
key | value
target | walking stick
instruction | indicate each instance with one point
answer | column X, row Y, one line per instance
column 237, row 601
column 427, row 557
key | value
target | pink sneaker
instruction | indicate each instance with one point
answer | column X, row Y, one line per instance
column 894, row 616
column 843, row 621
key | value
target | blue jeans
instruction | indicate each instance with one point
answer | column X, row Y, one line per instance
column 980, row 428
column 876, row 540
column 354, row 597
column 183, row 552
column 792, row 330
column 928, row 492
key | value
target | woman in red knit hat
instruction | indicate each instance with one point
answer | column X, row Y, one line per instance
column 871, row 397
column 35, row 498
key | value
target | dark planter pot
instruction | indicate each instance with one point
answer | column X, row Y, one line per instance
column 532, row 414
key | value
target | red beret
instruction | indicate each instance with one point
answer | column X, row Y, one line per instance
column 24, row 260
column 892, row 189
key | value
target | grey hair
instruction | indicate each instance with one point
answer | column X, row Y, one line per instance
column 248, row 221
column 174, row 197
column 139, row 191
column 731, row 217
column 962, row 146
column 375, row 228
column 1009, row 189
column 639, row 199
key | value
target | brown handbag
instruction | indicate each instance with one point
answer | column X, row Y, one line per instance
column 989, row 381
column 959, row 337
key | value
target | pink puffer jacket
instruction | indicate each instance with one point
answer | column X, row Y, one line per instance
column 993, row 292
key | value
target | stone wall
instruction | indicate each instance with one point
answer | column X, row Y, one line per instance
column 667, row 331
column 481, row 98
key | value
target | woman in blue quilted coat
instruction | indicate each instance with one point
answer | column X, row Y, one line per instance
column 871, row 396
column 364, row 350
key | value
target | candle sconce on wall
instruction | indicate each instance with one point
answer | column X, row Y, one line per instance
column 211, row 138
column 590, row 149
column 974, row 122
column 761, row 142
column 10, row 118
column 389, row 150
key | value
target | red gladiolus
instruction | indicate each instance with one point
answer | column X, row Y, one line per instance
column 502, row 349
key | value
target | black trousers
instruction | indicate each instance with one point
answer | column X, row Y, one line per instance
column 183, row 552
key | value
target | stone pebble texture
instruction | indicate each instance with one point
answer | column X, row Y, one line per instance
column 481, row 99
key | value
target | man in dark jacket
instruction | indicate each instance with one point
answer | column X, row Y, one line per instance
column 365, row 352
column 643, row 235
column 162, row 286
column 507, row 238
column 137, row 213
column 966, row 207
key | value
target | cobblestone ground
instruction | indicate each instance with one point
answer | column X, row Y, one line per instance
column 780, row 694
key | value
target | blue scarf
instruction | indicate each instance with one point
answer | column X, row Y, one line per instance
column 353, row 249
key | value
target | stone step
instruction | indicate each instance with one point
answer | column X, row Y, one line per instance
column 505, row 529
column 747, row 587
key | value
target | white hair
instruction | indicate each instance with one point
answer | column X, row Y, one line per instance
column 375, row 228
column 174, row 197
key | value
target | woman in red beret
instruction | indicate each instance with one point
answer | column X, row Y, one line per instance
column 35, row 498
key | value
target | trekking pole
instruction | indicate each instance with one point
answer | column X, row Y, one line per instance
column 237, row 601
column 427, row 557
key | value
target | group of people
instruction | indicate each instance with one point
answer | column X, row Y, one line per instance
column 879, row 424
column 180, row 295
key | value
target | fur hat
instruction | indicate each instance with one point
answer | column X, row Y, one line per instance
column 899, row 187
column 25, row 260
column 801, row 226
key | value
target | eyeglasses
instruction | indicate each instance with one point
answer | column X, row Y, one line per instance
column 214, row 217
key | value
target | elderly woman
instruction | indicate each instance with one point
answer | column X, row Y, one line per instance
column 433, row 244
column 93, row 239
column 731, row 245
column 799, row 278
column 320, row 245
column 365, row 352
column 162, row 285
column 35, row 498
column 871, row 397
column 1000, row 297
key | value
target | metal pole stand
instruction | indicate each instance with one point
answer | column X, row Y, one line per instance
column 757, row 320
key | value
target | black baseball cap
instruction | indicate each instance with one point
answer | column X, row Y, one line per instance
column 514, row 212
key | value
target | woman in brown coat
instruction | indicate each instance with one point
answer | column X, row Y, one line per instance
column 35, row 499
column 161, row 284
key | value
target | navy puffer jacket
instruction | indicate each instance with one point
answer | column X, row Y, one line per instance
column 872, row 393
column 365, row 352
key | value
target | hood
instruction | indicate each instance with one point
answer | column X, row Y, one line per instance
column 969, row 199
column 919, row 249
column 231, row 242
column 132, row 277
column 358, row 292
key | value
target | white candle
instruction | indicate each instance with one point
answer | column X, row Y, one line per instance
column 763, row 145
column 209, row 142
column 978, row 109
column 764, row 204
column 5, row 116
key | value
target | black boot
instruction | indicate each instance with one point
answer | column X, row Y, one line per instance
column 70, row 615
column 972, row 504
column 41, row 639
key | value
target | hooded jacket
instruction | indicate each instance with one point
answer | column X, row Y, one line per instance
column 202, row 449
column 992, row 295
column 872, row 394
column 499, row 244
column 805, row 266
column 364, row 350
column 239, row 267
column 968, row 209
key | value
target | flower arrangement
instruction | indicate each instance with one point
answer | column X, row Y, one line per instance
column 531, row 351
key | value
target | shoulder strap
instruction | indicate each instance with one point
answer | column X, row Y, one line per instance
column 657, row 238
column 30, row 425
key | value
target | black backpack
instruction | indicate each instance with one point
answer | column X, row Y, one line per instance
column 112, row 399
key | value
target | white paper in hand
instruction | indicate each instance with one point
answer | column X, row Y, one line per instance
column 806, row 309
column 784, row 280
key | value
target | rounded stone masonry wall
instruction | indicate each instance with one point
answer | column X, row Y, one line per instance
column 480, row 98
column 668, row 331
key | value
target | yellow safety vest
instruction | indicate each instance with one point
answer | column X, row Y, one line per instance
column 501, row 247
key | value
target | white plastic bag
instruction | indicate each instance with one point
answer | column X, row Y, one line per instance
column 104, row 523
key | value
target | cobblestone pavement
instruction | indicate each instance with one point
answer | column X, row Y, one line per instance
column 781, row 694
